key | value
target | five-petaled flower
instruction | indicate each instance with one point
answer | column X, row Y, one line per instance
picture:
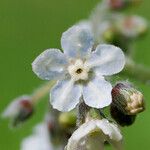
column 79, row 70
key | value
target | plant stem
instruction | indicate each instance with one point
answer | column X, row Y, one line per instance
column 82, row 111
column 42, row 91
column 137, row 70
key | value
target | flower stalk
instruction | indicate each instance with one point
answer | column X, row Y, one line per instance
column 82, row 113
column 138, row 71
column 39, row 93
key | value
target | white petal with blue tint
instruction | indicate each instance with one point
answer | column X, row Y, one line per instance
column 97, row 93
column 107, row 59
column 65, row 95
column 77, row 41
column 49, row 65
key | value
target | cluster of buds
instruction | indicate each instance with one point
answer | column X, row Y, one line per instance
column 19, row 110
column 127, row 103
column 119, row 4
column 116, row 28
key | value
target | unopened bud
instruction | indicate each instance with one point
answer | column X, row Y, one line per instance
column 121, row 118
column 19, row 110
column 135, row 105
column 131, row 26
column 67, row 119
column 120, row 4
column 109, row 35
column 127, row 99
column 116, row 4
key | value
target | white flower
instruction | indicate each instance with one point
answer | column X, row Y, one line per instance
column 39, row 140
column 92, row 135
column 79, row 71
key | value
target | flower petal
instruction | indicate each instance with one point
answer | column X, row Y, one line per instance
column 92, row 134
column 49, row 65
column 84, row 139
column 107, row 59
column 112, row 133
column 97, row 93
column 77, row 41
column 109, row 129
column 65, row 95
column 39, row 140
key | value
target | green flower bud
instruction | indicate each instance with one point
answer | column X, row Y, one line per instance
column 67, row 119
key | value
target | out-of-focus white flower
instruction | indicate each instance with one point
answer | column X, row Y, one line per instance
column 19, row 109
column 79, row 71
column 92, row 135
column 39, row 140
column 131, row 26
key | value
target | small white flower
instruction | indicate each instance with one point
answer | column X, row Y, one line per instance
column 40, row 140
column 79, row 71
column 92, row 135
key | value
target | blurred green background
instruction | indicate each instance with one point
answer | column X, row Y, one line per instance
column 27, row 27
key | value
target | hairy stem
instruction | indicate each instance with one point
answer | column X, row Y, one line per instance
column 82, row 111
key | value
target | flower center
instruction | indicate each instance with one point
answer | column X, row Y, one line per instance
column 78, row 70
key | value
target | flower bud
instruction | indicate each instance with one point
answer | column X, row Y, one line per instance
column 127, row 102
column 116, row 4
column 119, row 4
column 131, row 26
column 67, row 119
column 135, row 105
column 109, row 35
column 127, row 99
column 121, row 118
column 105, row 31
column 19, row 110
